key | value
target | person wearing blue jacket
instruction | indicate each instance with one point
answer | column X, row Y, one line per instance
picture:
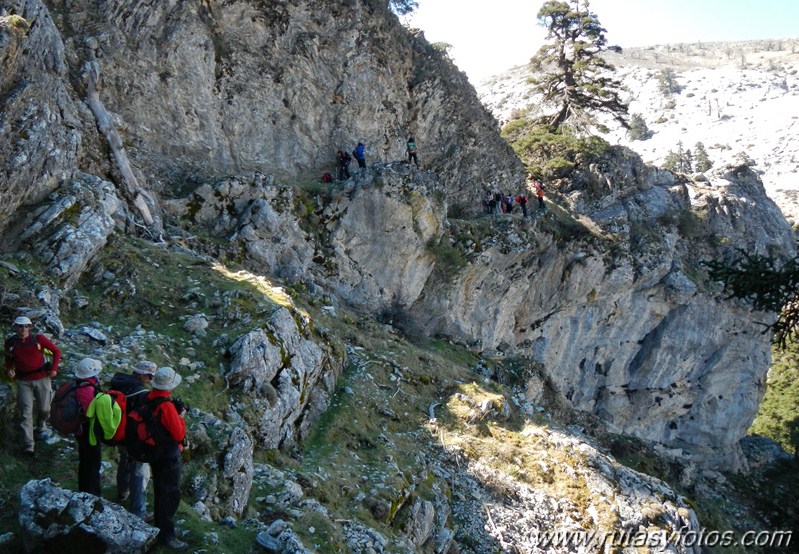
column 360, row 155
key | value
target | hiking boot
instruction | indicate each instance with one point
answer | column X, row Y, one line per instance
column 43, row 434
column 121, row 497
column 28, row 450
column 176, row 544
column 149, row 517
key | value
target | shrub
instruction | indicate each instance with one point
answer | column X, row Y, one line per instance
column 449, row 259
column 689, row 224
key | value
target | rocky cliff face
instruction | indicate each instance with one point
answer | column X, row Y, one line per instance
column 616, row 308
column 223, row 88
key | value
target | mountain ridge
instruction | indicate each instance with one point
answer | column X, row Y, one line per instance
column 737, row 98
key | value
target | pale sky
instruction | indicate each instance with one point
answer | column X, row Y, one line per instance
column 490, row 36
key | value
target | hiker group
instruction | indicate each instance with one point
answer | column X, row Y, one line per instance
column 344, row 159
column 496, row 203
column 136, row 414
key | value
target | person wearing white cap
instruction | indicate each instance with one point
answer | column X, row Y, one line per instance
column 26, row 364
column 132, row 475
column 89, row 455
column 167, row 468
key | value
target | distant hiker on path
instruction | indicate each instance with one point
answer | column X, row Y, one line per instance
column 521, row 200
column 498, row 204
column 360, row 155
column 132, row 476
column 489, row 203
column 26, row 364
column 167, row 468
column 410, row 147
column 86, row 373
column 539, row 192
column 343, row 165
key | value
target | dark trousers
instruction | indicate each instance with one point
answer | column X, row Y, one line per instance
column 361, row 162
column 88, row 466
column 166, row 486
column 412, row 158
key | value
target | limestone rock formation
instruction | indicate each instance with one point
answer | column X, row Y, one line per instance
column 49, row 516
column 218, row 89
column 43, row 129
column 80, row 220
column 638, row 337
column 287, row 376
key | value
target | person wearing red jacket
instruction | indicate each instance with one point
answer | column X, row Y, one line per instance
column 26, row 364
column 167, row 468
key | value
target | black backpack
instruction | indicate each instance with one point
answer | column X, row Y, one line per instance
column 145, row 436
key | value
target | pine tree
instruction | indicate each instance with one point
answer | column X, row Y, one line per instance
column 672, row 161
column 638, row 129
column 702, row 162
column 577, row 80
column 667, row 82
column 680, row 161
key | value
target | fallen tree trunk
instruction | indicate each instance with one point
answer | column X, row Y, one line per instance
column 132, row 189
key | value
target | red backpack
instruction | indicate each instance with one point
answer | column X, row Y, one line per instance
column 146, row 436
column 66, row 413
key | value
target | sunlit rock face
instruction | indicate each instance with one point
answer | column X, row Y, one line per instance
column 623, row 318
column 227, row 88
column 633, row 331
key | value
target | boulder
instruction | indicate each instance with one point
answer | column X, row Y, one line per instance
column 289, row 377
column 50, row 516
column 238, row 469
column 418, row 521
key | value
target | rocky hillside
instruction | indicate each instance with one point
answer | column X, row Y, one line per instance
column 733, row 97
column 373, row 366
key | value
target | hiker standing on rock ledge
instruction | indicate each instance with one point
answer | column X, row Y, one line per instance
column 410, row 147
column 25, row 363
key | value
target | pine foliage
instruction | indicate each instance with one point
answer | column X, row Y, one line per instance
column 702, row 161
column 638, row 128
column 766, row 283
column 576, row 78
column 681, row 161
column 667, row 82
